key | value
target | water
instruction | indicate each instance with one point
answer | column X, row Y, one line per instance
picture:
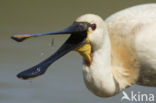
column 63, row 82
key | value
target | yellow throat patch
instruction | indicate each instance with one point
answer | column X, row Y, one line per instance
column 85, row 51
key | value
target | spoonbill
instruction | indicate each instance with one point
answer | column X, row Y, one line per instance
column 117, row 52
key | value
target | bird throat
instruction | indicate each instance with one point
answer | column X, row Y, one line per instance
column 86, row 52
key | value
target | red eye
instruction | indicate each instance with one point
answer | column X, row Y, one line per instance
column 93, row 26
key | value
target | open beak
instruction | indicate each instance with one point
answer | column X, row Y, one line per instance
column 78, row 31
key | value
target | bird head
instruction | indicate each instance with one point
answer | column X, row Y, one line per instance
column 96, row 31
column 86, row 36
column 94, row 35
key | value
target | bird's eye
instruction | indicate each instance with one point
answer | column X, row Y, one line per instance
column 93, row 26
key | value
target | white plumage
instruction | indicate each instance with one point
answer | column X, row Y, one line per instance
column 117, row 52
column 123, row 50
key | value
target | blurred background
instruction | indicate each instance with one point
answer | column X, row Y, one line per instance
column 63, row 82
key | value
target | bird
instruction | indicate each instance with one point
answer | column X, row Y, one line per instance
column 117, row 52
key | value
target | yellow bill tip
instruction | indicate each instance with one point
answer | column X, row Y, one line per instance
column 20, row 38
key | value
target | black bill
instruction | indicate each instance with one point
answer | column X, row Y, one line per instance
column 78, row 31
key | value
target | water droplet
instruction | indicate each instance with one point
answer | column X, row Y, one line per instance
column 38, row 69
column 52, row 42
column 42, row 54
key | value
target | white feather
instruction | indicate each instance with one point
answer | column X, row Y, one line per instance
column 132, row 30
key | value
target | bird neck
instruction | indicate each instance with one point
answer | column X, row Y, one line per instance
column 103, row 54
column 98, row 76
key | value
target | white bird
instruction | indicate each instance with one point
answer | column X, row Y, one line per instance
column 117, row 52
